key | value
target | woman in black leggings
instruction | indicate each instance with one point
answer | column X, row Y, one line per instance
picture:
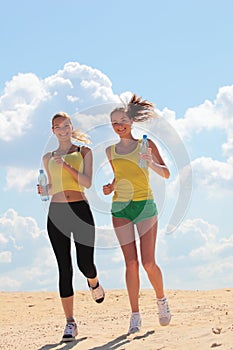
column 69, row 171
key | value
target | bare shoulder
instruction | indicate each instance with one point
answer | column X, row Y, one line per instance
column 108, row 151
column 47, row 156
column 152, row 144
column 86, row 151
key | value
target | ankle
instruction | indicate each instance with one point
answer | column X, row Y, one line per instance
column 162, row 299
column 94, row 286
column 70, row 319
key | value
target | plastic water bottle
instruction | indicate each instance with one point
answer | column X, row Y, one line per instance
column 43, row 182
column 143, row 149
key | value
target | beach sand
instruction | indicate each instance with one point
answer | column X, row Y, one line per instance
column 200, row 320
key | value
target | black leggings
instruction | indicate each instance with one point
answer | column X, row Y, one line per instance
column 64, row 219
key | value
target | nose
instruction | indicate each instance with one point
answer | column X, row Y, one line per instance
column 62, row 128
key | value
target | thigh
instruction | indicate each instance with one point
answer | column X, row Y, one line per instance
column 125, row 233
column 60, row 242
column 147, row 230
column 83, row 226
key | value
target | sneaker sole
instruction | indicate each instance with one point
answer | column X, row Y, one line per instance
column 66, row 340
column 134, row 330
column 100, row 300
column 165, row 323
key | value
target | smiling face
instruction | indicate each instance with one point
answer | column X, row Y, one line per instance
column 62, row 128
column 121, row 123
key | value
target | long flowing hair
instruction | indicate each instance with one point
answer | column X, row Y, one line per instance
column 137, row 109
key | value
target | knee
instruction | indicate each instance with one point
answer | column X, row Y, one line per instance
column 87, row 271
column 149, row 266
column 65, row 271
column 132, row 265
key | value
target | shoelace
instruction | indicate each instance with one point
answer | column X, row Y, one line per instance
column 69, row 329
column 163, row 309
column 97, row 293
column 134, row 322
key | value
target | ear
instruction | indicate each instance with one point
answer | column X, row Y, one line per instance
column 52, row 129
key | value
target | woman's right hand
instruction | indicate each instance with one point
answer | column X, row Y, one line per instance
column 58, row 159
column 107, row 189
column 41, row 190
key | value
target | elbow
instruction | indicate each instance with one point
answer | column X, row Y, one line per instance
column 88, row 183
column 167, row 174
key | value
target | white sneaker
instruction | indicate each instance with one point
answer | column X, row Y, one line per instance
column 135, row 323
column 70, row 332
column 97, row 293
column 164, row 312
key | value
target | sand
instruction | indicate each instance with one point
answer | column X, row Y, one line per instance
column 200, row 320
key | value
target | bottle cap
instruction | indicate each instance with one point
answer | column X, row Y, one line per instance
column 41, row 171
column 144, row 137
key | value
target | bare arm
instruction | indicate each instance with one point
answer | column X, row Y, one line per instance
column 155, row 161
column 46, row 158
column 109, row 188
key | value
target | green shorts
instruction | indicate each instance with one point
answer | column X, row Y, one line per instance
column 134, row 211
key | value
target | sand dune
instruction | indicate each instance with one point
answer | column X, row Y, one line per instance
column 200, row 320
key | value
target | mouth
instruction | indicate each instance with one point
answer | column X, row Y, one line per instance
column 120, row 131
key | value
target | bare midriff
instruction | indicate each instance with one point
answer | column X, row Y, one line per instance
column 68, row 196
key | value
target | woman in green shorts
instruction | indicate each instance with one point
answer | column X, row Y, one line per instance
column 133, row 204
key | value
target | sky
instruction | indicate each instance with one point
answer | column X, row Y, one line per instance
column 85, row 58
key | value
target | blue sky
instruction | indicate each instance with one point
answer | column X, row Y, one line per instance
column 79, row 57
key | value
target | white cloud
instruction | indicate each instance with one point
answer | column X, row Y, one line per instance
column 31, row 261
column 198, row 251
column 72, row 98
column 42, row 268
column 18, row 228
column 21, row 179
column 215, row 274
column 105, row 237
column 21, row 97
column 5, row 257
column 7, row 283
column 190, row 235
column 221, row 271
column 3, row 240
column 215, row 177
column 216, row 249
column 207, row 116
column 25, row 94
column 90, row 85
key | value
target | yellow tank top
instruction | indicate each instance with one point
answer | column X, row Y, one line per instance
column 61, row 179
column 132, row 182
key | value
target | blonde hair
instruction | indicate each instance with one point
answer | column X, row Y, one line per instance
column 76, row 133
column 137, row 109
